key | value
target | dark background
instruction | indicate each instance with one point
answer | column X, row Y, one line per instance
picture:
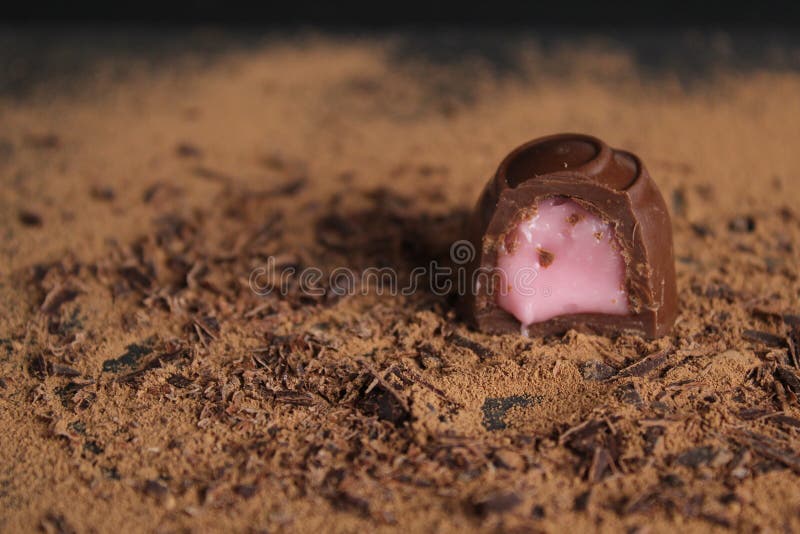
column 53, row 44
column 378, row 13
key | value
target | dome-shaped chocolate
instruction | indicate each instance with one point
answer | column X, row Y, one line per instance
column 613, row 185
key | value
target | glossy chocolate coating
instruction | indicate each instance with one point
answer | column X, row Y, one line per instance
column 611, row 183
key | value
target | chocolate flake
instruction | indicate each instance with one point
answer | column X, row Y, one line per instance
column 628, row 394
column 742, row 224
column 129, row 359
column 793, row 341
column 38, row 366
column 295, row 398
column 696, row 457
column 597, row 370
column 766, row 338
column 56, row 297
column 785, row 420
column 64, row 370
column 56, row 524
column 155, row 488
column 385, row 403
column 788, row 378
column 179, row 381
column 495, row 502
column 494, row 409
column 351, row 494
column 135, row 278
column 647, row 364
column 601, row 462
column 768, row 448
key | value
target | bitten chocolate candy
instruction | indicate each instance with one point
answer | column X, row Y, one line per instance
column 570, row 233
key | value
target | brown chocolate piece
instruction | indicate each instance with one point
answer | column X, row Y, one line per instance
column 612, row 184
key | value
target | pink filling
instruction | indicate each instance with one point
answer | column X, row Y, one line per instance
column 563, row 260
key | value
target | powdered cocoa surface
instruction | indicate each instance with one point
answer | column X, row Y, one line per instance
column 144, row 385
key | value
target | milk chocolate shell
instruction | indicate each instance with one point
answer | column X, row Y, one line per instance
column 616, row 188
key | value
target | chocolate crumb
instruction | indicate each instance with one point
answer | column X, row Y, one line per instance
column 43, row 141
column 383, row 403
column 154, row 488
column 29, row 218
column 179, row 381
column 188, row 150
column 742, row 224
column 545, row 257
column 245, row 490
column 701, row 230
column 103, row 193
column 679, row 202
column 581, row 501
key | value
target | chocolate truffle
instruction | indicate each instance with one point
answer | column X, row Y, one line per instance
column 570, row 233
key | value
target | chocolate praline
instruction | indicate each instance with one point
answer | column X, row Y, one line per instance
column 612, row 184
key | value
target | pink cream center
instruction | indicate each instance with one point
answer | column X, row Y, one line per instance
column 563, row 260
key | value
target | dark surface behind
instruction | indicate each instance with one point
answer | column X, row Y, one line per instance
column 415, row 12
column 59, row 55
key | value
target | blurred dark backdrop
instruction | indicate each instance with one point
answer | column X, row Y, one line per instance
column 698, row 13
column 53, row 44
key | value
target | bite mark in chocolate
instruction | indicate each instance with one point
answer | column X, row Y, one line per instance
column 599, row 183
